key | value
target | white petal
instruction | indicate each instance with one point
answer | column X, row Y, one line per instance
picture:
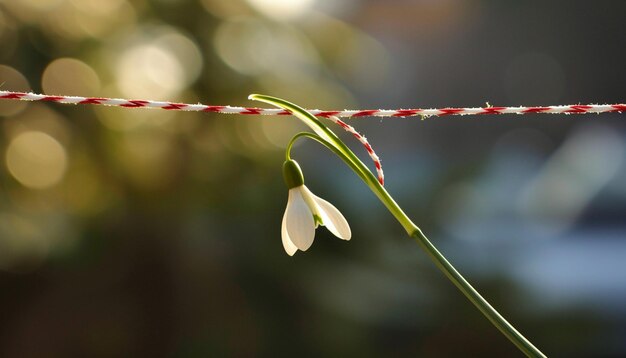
column 299, row 225
column 287, row 243
column 331, row 217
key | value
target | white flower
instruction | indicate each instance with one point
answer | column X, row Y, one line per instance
column 304, row 212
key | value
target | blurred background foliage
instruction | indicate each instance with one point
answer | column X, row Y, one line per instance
column 154, row 233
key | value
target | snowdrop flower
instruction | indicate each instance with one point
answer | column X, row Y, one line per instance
column 305, row 211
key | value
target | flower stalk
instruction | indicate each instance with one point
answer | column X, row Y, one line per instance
column 327, row 138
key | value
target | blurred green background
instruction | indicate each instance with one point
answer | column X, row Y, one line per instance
column 153, row 233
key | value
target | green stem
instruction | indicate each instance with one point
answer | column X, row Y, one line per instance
column 326, row 137
column 470, row 292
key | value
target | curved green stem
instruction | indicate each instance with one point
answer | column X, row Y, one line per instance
column 328, row 145
column 326, row 137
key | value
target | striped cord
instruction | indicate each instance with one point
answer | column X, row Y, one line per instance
column 332, row 115
column 141, row 103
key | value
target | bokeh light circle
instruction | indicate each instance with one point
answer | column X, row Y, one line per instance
column 282, row 9
column 13, row 79
column 69, row 76
column 158, row 64
column 252, row 46
column 36, row 160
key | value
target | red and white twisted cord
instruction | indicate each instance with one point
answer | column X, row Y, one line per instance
column 568, row 109
column 370, row 150
column 332, row 115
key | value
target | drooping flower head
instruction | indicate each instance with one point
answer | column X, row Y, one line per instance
column 305, row 211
